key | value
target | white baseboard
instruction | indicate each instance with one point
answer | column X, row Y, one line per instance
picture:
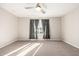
column 71, row 44
column 40, row 40
column 7, row 43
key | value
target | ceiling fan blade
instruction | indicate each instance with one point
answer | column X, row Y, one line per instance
column 43, row 5
column 29, row 7
column 38, row 5
column 43, row 11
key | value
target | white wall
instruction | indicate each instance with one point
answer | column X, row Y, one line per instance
column 55, row 25
column 8, row 28
column 24, row 28
column 70, row 28
column 55, row 28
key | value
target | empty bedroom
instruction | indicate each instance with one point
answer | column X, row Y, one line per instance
column 39, row 29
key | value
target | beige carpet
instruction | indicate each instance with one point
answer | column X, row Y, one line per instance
column 39, row 48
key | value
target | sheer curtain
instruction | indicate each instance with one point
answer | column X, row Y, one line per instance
column 33, row 28
column 36, row 24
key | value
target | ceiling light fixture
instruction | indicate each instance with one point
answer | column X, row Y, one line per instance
column 38, row 8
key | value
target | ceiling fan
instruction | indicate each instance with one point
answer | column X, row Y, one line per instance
column 38, row 7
